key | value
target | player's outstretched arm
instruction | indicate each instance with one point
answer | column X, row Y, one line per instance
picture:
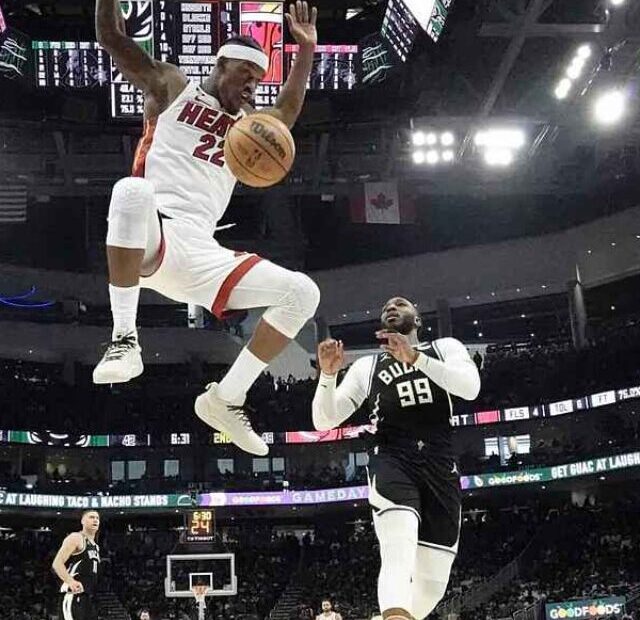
column 151, row 76
column 302, row 25
column 333, row 405
column 71, row 544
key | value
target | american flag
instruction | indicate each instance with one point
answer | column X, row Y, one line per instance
column 13, row 204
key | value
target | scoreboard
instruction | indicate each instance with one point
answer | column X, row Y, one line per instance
column 200, row 526
column 70, row 64
column 189, row 34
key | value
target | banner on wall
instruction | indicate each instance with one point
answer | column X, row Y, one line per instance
column 586, row 608
column 38, row 501
column 492, row 416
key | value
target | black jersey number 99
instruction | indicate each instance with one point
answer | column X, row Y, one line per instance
column 416, row 392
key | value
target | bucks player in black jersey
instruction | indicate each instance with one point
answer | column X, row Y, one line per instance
column 76, row 564
column 414, row 487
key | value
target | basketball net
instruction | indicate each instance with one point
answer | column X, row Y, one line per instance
column 199, row 593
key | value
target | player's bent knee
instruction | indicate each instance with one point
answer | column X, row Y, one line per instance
column 308, row 295
column 297, row 306
column 132, row 199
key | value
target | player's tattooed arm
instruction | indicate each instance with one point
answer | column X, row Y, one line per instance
column 301, row 19
column 159, row 80
column 71, row 544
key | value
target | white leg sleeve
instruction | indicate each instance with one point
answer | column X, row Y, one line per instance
column 291, row 297
column 430, row 579
column 397, row 532
column 133, row 218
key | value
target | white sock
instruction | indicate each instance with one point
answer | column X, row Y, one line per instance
column 240, row 377
column 124, row 308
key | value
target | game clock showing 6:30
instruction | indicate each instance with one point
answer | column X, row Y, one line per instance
column 200, row 526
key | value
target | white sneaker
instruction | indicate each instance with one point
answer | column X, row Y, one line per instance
column 229, row 419
column 121, row 362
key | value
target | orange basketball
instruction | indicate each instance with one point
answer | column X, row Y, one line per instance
column 259, row 150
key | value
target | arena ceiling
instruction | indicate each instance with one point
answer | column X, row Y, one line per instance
column 496, row 66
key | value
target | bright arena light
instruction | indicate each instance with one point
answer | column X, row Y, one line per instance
column 433, row 157
column 575, row 68
column 446, row 138
column 617, row 2
column 447, row 155
column 563, row 88
column 584, row 51
column 510, row 138
column 498, row 156
column 609, row 107
column 418, row 138
column 431, row 139
column 418, row 157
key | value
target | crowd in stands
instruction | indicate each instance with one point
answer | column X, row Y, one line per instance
column 54, row 397
column 564, row 552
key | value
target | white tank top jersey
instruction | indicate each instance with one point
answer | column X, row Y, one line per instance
column 182, row 153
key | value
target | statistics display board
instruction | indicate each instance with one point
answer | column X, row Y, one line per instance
column 189, row 34
column 70, row 64
column 404, row 19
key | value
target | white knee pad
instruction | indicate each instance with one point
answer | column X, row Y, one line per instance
column 132, row 203
column 299, row 304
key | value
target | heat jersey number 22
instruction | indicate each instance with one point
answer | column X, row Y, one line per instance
column 416, row 392
column 209, row 143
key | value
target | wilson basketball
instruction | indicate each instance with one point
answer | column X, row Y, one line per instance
column 259, row 150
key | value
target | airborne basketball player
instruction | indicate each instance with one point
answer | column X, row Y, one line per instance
column 162, row 219
column 76, row 564
column 414, row 487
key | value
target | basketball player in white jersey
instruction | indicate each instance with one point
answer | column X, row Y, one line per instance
column 76, row 564
column 327, row 612
column 414, row 485
column 161, row 220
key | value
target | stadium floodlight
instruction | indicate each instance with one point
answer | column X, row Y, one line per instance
column 418, row 138
column 431, row 138
column 448, row 155
column 433, row 157
column 498, row 156
column 418, row 157
column 584, row 51
column 609, row 107
column 500, row 138
column 446, row 139
column 617, row 2
column 575, row 68
column 563, row 88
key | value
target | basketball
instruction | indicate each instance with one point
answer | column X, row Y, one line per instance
column 259, row 150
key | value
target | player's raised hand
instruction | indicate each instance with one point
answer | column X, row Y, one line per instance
column 330, row 356
column 302, row 23
column 397, row 345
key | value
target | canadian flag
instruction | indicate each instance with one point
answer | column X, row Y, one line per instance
column 379, row 203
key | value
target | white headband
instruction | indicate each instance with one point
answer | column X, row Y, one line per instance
column 242, row 52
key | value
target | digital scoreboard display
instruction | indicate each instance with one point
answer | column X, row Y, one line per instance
column 400, row 28
column 334, row 66
column 70, row 64
column 200, row 526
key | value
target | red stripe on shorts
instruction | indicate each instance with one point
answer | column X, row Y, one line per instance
column 143, row 147
column 230, row 282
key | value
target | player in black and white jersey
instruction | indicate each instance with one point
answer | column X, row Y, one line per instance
column 77, row 564
column 414, row 487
